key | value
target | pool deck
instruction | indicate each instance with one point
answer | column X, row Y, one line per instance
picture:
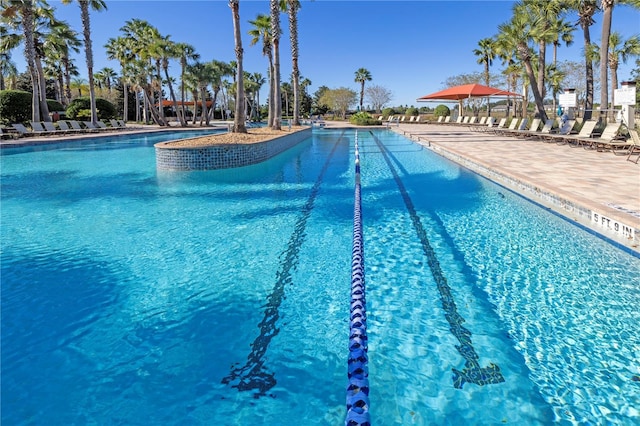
column 572, row 181
column 596, row 189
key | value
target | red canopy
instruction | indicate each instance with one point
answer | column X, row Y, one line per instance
column 466, row 91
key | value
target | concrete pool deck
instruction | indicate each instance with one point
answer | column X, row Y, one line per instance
column 599, row 190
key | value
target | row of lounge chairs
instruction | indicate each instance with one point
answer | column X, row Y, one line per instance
column 401, row 119
column 591, row 135
column 47, row 128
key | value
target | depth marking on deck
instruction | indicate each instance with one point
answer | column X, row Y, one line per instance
column 253, row 375
column 472, row 371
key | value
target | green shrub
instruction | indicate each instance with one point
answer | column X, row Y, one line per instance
column 15, row 106
column 83, row 115
column 54, row 105
column 442, row 110
column 412, row 111
column 106, row 109
column 386, row 112
column 363, row 119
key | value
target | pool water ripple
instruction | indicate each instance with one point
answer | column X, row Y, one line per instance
column 128, row 294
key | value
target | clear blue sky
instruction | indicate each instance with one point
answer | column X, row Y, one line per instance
column 410, row 47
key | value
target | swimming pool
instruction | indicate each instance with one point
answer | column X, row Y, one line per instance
column 135, row 296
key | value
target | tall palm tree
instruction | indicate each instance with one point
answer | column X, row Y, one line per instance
column 8, row 42
column 543, row 17
column 607, row 15
column 23, row 14
column 292, row 7
column 239, row 119
column 585, row 10
column 620, row 50
column 515, row 36
column 60, row 42
column 274, row 6
column 486, row 53
column 259, row 81
column 362, row 75
column 219, row 70
column 262, row 31
column 187, row 53
column 96, row 5
column 8, row 69
column 117, row 49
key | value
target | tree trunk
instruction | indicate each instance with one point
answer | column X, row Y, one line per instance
column 607, row 8
column 125, row 95
column 239, row 120
column 44, row 108
column 588, row 102
column 30, row 53
column 275, row 35
column 172, row 94
column 295, row 70
column 86, row 25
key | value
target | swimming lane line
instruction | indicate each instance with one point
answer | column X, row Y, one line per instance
column 472, row 371
column 253, row 375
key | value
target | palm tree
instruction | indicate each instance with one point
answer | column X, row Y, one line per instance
column 239, row 120
column 262, row 30
column 187, row 53
column 96, row 5
column 79, row 84
column 620, row 50
column 59, row 44
column 259, row 81
column 607, row 14
column 8, row 69
column 275, row 40
column 555, row 77
column 292, row 8
column 23, row 14
column 486, row 53
column 515, row 36
column 362, row 75
column 218, row 70
column 586, row 9
column 117, row 49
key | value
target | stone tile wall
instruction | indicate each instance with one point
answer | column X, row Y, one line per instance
column 224, row 156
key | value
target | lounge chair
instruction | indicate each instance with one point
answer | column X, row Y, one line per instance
column 473, row 120
column 557, row 135
column 8, row 134
column 38, row 127
column 483, row 120
column 77, row 127
column 51, row 128
column 440, row 119
column 418, row 118
column 634, row 149
column 492, row 126
column 447, row 119
column 23, row 131
column 609, row 139
column 90, row 126
column 533, row 129
column 515, row 125
column 583, row 137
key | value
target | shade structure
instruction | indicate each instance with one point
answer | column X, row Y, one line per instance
column 466, row 91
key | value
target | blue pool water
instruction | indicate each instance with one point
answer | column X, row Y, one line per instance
column 134, row 296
